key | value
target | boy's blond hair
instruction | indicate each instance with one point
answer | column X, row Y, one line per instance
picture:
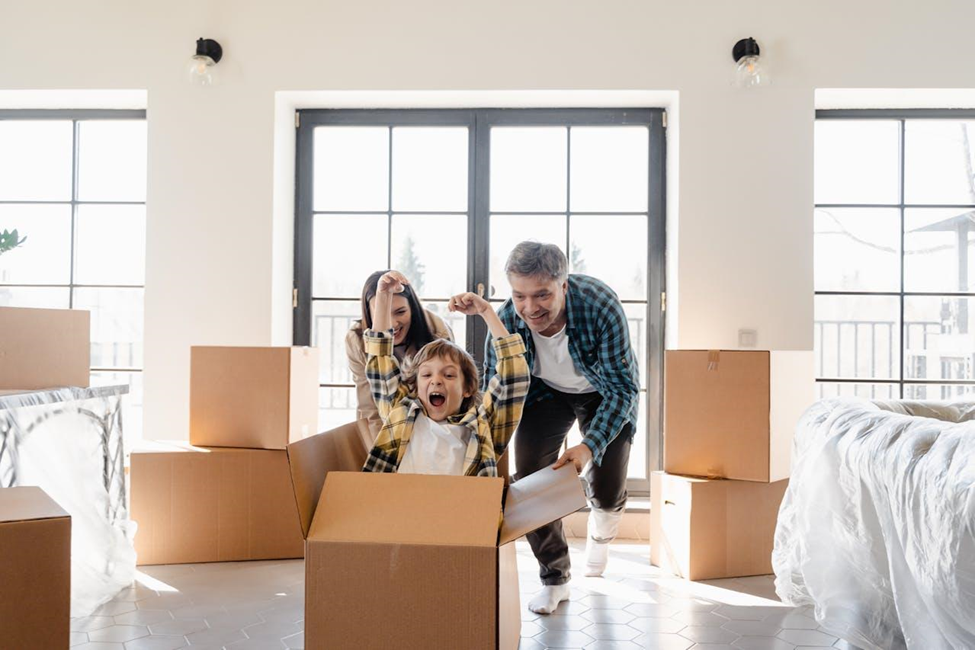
column 446, row 349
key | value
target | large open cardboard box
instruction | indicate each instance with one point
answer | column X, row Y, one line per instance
column 35, row 570
column 702, row 529
column 212, row 505
column 44, row 348
column 257, row 397
column 733, row 414
column 410, row 561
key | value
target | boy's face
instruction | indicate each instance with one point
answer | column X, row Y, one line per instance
column 440, row 387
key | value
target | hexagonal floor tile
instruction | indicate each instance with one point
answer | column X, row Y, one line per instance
column 617, row 616
column 91, row 623
column 604, row 644
column 651, row 610
column 792, row 621
column 180, row 627
column 575, row 623
column 563, row 639
column 657, row 625
column 115, row 607
column 752, row 628
column 612, row 632
column 807, row 637
column 762, row 643
column 119, row 633
column 701, row 634
column 157, row 643
column 742, row 613
column 143, row 617
column 701, row 619
column 570, row 608
column 663, row 641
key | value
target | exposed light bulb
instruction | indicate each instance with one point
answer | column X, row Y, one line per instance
column 750, row 70
column 201, row 69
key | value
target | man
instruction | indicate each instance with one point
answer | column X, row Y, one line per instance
column 583, row 369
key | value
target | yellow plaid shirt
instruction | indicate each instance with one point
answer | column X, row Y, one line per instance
column 492, row 422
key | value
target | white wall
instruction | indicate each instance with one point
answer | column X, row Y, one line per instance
column 743, row 231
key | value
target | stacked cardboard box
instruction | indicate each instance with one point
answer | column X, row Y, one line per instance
column 227, row 495
column 35, row 570
column 44, row 348
column 729, row 418
column 422, row 553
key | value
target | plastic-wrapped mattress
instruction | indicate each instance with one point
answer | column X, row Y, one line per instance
column 68, row 441
column 877, row 528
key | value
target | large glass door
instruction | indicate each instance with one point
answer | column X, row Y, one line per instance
column 443, row 195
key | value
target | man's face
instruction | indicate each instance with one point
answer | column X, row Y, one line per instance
column 539, row 301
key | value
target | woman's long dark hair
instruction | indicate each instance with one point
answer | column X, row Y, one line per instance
column 419, row 333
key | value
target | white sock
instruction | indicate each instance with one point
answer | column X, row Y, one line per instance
column 597, row 555
column 602, row 529
column 549, row 598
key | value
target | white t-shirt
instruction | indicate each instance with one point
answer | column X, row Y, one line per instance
column 435, row 448
column 554, row 365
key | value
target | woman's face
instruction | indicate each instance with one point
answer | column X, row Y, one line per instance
column 400, row 317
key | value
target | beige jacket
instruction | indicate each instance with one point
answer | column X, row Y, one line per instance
column 356, row 351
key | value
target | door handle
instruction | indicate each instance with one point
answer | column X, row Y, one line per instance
column 480, row 289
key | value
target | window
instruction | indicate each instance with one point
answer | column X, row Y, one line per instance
column 74, row 184
column 445, row 194
column 895, row 253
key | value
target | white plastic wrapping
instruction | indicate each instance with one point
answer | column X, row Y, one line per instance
column 877, row 528
column 68, row 441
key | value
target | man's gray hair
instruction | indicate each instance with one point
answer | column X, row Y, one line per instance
column 534, row 259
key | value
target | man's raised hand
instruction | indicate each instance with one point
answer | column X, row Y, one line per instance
column 469, row 304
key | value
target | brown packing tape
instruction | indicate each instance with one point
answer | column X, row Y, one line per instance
column 714, row 356
column 538, row 499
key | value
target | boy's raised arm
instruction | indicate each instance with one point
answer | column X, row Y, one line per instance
column 504, row 397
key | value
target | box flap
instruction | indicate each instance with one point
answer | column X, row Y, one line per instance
column 408, row 509
column 538, row 499
column 27, row 504
column 313, row 458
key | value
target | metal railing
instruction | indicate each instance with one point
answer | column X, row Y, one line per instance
column 869, row 350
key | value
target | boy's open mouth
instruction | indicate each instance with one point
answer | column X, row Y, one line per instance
column 437, row 399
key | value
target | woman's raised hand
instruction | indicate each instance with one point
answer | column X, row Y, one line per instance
column 469, row 303
column 392, row 282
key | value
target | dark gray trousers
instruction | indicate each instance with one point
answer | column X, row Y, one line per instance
column 538, row 443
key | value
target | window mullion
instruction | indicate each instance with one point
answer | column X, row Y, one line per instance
column 902, row 353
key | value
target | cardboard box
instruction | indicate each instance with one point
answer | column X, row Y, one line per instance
column 35, row 570
column 212, row 505
column 262, row 398
column 702, row 529
column 733, row 414
column 414, row 561
column 44, row 348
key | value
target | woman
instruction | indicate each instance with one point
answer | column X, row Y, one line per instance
column 410, row 333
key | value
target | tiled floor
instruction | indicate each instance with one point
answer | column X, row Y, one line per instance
column 259, row 606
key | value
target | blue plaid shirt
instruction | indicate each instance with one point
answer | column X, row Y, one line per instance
column 599, row 344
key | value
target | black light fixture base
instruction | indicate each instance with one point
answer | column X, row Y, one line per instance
column 745, row 47
column 209, row 47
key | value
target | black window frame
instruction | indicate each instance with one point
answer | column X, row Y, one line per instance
column 902, row 116
column 479, row 121
column 76, row 116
